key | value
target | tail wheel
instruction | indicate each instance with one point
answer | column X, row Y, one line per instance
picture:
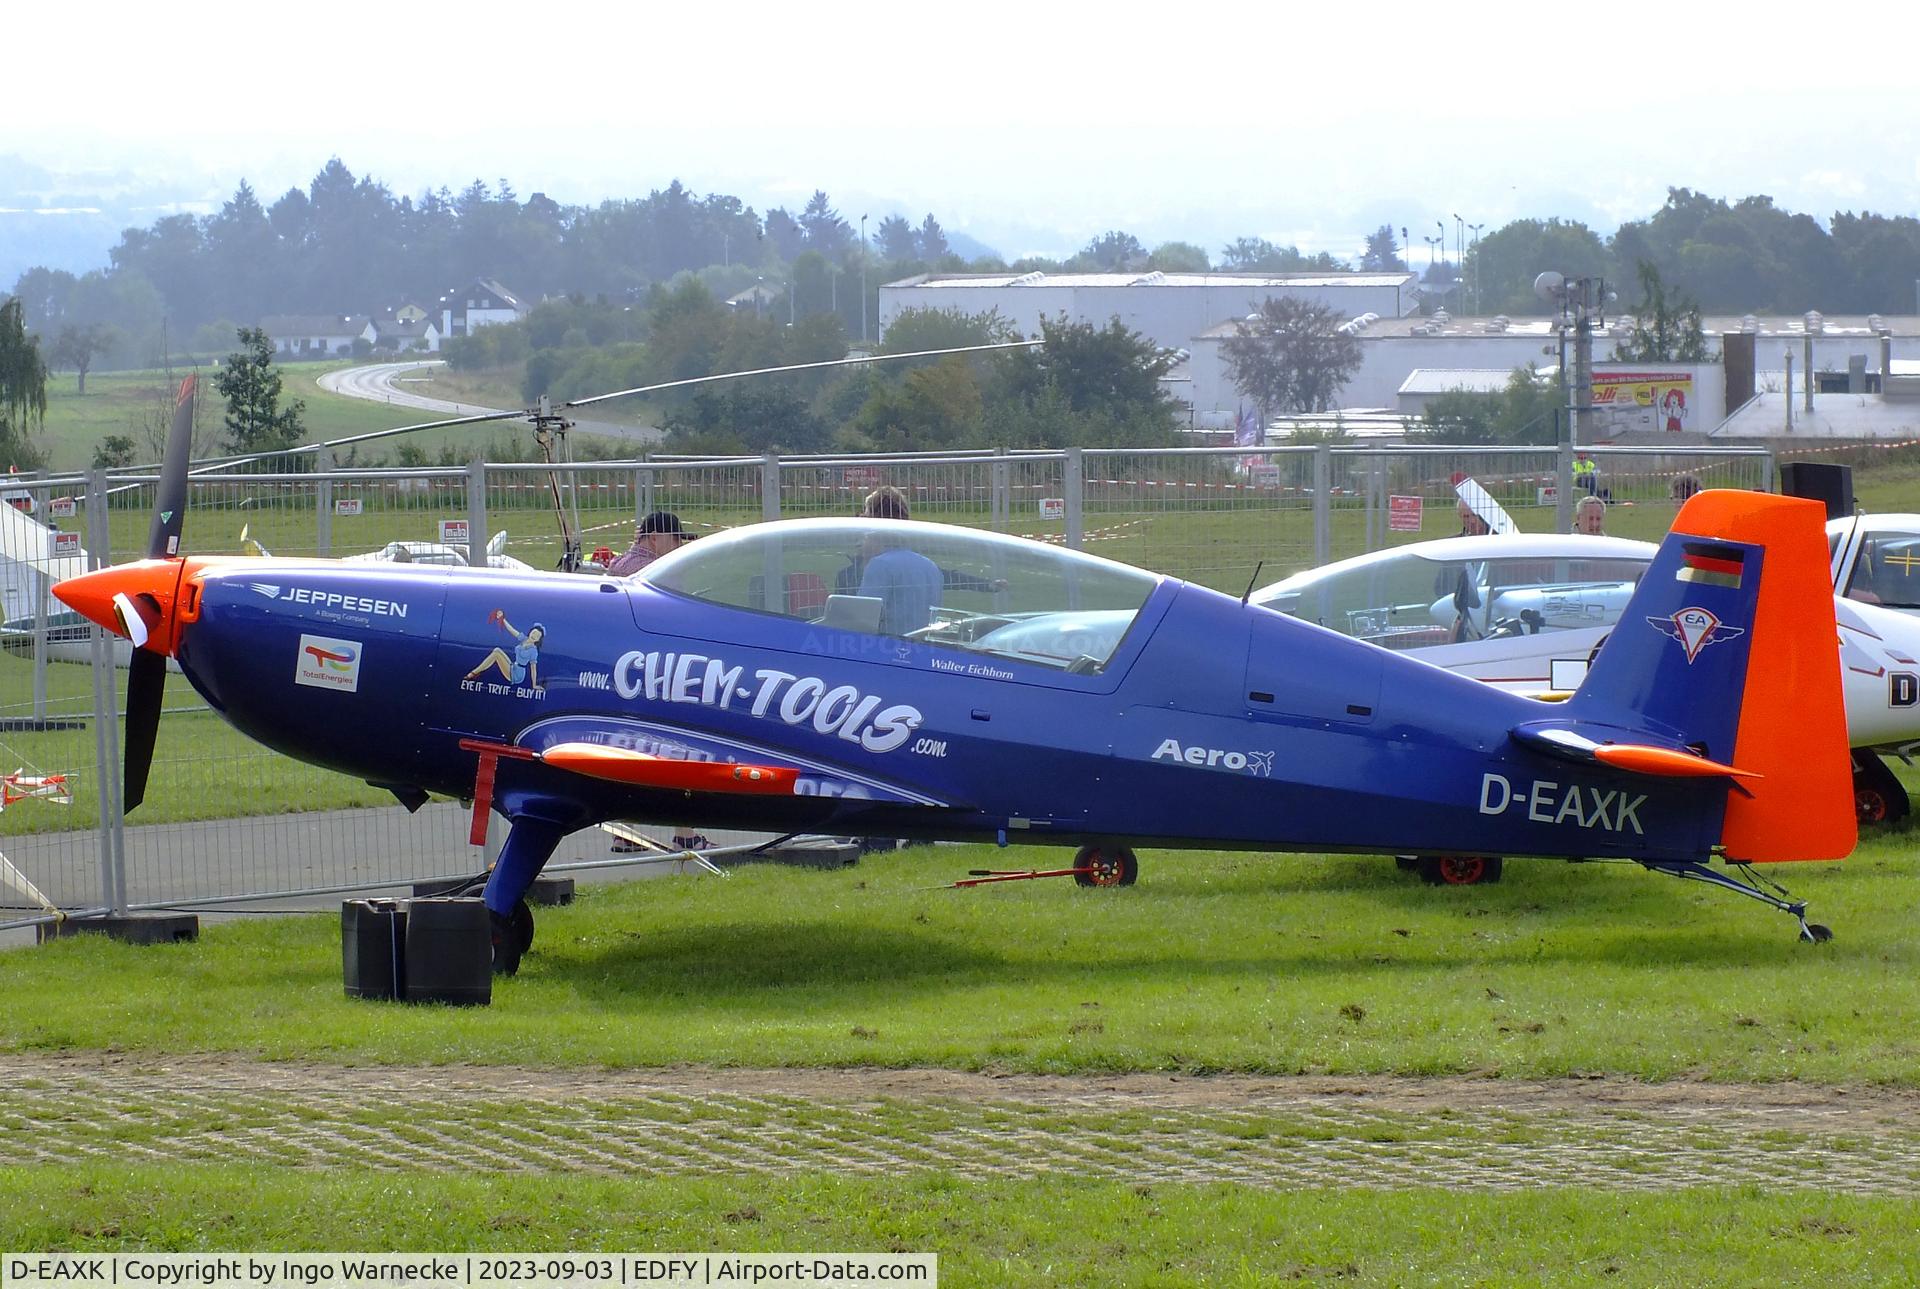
column 1460, row 870
column 1106, row 866
column 1870, row 804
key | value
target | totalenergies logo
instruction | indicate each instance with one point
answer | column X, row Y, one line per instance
column 326, row 663
column 332, row 660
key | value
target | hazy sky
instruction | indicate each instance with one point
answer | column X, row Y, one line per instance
column 1029, row 126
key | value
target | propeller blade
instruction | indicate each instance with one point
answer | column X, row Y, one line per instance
column 170, row 502
column 146, row 686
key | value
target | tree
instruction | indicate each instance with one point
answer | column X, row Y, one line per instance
column 1506, row 261
column 75, row 348
column 1383, row 252
column 826, row 231
column 931, row 239
column 786, row 234
column 895, row 239
column 1290, row 356
column 745, row 418
column 23, row 389
column 1111, row 252
column 113, row 450
column 1524, row 412
column 255, row 420
column 1258, row 255
column 1665, row 330
column 1179, row 257
column 933, row 408
column 1106, row 377
column 914, row 331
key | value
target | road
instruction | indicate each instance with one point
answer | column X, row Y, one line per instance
column 383, row 383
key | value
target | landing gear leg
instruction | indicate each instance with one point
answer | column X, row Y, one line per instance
column 1749, row 885
column 530, row 844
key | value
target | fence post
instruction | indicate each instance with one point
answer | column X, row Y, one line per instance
column 643, row 493
column 106, row 731
column 477, row 514
column 1767, row 473
column 42, row 582
column 1000, row 501
column 1563, row 483
column 1074, row 485
column 1322, row 504
column 770, row 486
column 323, row 503
column 1372, row 486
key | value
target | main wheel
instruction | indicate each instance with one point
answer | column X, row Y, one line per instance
column 522, row 926
column 1106, row 866
column 1878, row 797
column 1460, row 870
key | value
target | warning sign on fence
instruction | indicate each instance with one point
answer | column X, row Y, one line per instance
column 453, row 532
column 353, row 506
column 62, row 508
column 1053, row 507
column 1403, row 514
column 66, row 544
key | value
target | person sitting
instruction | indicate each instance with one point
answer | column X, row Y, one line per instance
column 653, row 537
column 891, row 503
column 907, row 584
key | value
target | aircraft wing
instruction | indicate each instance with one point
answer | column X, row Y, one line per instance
column 642, row 769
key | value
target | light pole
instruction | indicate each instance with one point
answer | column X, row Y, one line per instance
column 863, row 279
column 1475, row 230
column 1441, row 224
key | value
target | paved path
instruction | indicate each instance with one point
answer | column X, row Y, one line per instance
column 385, row 383
column 1483, row 1135
column 373, row 850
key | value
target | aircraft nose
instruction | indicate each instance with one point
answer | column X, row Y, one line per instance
column 137, row 600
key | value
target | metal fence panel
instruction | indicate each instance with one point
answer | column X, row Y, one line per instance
column 1207, row 515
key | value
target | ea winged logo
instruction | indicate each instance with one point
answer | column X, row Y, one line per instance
column 1695, row 629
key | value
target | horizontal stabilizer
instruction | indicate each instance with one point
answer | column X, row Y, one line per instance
column 619, row 765
column 1634, row 758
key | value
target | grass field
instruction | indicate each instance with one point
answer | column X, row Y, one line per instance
column 1265, row 964
column 1056, row 1231
column 124, row 402
column 1212, row 964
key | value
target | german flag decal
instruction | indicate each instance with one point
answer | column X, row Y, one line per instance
column 1713, row 563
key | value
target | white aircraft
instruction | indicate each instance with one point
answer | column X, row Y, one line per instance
column 1876, row 560
column 1525, row 612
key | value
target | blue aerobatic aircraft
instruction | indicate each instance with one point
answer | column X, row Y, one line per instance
column 903, row 679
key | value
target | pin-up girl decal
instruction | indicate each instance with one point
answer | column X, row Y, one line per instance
column 522, row 666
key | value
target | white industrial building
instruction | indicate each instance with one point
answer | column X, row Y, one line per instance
column 1169, row 309
column 1848, row 354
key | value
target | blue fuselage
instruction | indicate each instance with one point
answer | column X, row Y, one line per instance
column 1214, row 724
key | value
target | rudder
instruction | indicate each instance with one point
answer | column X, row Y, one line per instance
column 1729, row 646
